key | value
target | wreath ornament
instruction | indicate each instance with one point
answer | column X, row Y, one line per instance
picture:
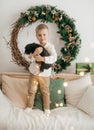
column 66, row 29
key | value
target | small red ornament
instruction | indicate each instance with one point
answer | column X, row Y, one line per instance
column 56, row 18
column 70, row 34
column 33, row 18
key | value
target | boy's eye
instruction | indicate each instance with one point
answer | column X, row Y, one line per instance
column 39, row 35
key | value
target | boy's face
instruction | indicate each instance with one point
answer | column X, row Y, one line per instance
column 42, row 36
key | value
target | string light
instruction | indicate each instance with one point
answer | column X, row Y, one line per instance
column 71, row 128
column 59, row 91
column 65, row 84
column 61, row 104
column 82, row 73
column 57, row 105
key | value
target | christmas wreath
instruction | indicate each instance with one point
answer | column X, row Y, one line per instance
column 66, row 29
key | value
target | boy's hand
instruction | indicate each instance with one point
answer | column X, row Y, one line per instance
column 37, row 51
column 39, row 58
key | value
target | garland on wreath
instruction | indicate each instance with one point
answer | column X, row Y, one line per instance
column 66, row 29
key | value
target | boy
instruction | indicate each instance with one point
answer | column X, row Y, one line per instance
column 43, row 78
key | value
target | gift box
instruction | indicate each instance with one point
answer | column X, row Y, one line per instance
column 85, row 68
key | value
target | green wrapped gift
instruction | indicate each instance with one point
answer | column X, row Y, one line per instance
column 85, row 68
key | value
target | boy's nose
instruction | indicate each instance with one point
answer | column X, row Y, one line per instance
column 42, row 36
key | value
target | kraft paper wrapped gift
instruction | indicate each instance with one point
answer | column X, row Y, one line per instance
column 85, row 68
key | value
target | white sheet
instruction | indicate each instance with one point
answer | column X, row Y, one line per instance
column 64, row 118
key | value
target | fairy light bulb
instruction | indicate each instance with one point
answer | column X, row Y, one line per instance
column 82, row 73
column 59, row 91
column 71, row 128
column 57, row 105
column 65, row 84
column 61, row 104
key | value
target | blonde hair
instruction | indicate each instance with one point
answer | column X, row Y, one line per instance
column 40, row 27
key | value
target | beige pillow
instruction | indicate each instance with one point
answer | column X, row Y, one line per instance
column 86, row 103
column 76, row 88
column 16, row 90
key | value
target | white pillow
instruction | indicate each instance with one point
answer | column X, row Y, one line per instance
column 87, row 101
column 76, row 88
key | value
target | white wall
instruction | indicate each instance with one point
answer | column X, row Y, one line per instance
column 80, row 10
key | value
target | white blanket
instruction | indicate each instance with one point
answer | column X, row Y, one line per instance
column 64, row 118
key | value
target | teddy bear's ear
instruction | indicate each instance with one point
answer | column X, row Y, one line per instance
column 27, row 49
